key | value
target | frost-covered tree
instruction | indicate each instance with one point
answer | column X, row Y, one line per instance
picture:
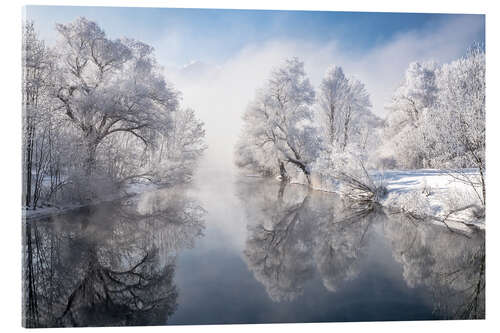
column 172, row 161
column 279, row 134
column 344, row 104
column 459, row 121
column 181, row 148
column 42, row 130
column 348, row 127
column 110, row 86
column 97, row 114
column 437, row 118
column 417, row 93
column 332, row 98
column 34, row 71
column 408, row 114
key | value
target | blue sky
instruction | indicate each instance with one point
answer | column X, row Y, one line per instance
column 213, row 35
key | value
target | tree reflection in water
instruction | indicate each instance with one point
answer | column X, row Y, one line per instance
column 294, row 234
column 109, row 265
column 450, row 264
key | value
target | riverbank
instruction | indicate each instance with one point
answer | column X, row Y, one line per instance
column 129, row 191
column 424, row 194
column 435, row 194
column 429, row 194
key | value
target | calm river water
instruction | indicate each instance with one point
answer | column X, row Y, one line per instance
column 231, row 249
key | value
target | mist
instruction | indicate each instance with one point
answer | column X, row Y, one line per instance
column 220, row 92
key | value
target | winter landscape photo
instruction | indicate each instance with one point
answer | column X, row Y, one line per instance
column 220, row 166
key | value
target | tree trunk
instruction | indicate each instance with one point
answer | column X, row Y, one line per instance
column 29, row 164
column 332, row 124
column 346, row 128
column 281, row 191
column 483, row 185
column 90, row 162
column 283, row 173
column 302, row 167
column 308, row 176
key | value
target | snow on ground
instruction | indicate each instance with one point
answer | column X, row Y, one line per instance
column 426, row 193
column 433, row 193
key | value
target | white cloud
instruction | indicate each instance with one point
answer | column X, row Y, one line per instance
column 221, row 93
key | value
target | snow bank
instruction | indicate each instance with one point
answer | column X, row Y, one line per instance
column 435, row 194
column 426, row 193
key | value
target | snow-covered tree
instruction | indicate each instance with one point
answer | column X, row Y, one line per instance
column 459, row 123
column 42, row 130
column 348, row 127
column 332, row 98
column 344, row 105
column 437, row 118
column 34, row 70
column 279, row 134
column 98, row 113
column 181, row 149
column 110, row 86
column 408, row 114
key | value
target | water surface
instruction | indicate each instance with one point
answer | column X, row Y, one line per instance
column 230, row 249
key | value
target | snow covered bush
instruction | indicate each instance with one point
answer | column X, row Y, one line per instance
column 461, row 204
column 344, row 171
column 416, row 203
